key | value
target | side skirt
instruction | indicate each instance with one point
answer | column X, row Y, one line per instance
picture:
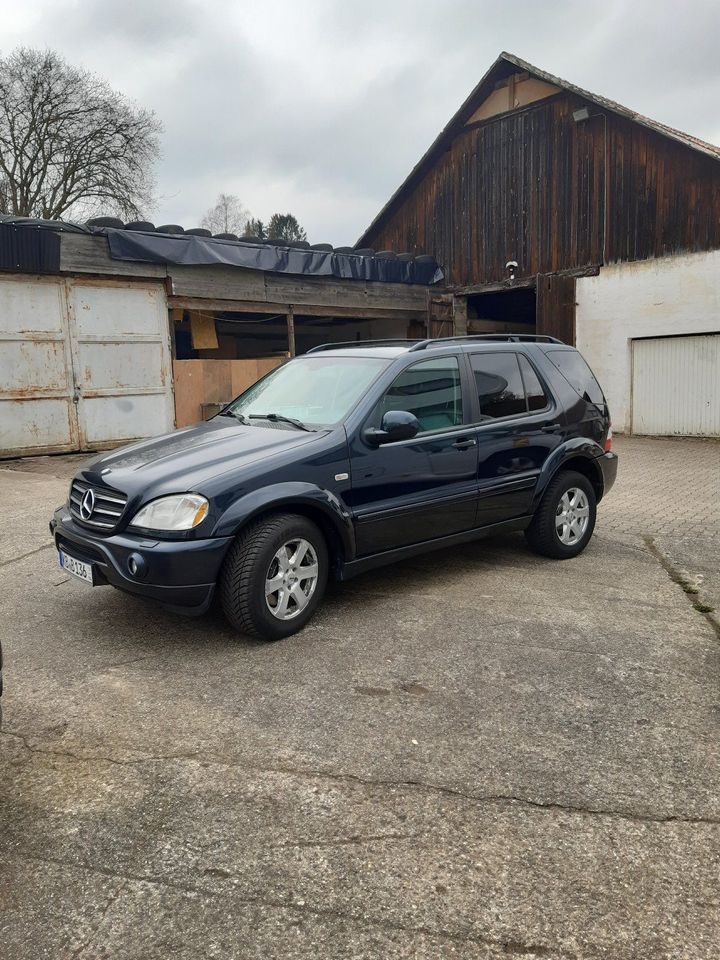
column 354, row 567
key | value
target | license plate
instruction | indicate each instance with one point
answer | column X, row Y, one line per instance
column 78, row 568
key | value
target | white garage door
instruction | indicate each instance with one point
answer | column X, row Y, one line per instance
column 83, row 365
column 676, row 386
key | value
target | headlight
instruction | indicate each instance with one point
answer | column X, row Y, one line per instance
column 180, row 512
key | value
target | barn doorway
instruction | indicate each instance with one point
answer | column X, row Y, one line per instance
column 505, row 311
column 540, row 305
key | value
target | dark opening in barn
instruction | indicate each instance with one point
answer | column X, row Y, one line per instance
column 508, row 311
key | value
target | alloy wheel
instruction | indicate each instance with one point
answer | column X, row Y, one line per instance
column 572, row 516
column 291, row 579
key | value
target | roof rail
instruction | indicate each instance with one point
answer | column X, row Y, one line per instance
column 398, row 341
column 500, row 337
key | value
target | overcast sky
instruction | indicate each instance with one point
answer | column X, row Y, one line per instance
column 321, row 108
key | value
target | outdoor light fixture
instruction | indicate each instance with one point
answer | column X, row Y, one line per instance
column 582, row 114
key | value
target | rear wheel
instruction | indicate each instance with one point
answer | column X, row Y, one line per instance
column 274, row 576
column 565, row 520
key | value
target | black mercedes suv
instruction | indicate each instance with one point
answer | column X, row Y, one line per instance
column 343, row 459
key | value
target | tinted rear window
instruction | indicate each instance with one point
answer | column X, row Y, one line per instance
column 578, row 374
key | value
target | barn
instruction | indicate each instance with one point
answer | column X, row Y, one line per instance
column 556, row 211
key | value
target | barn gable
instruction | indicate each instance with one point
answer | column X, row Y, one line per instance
column 536, row 170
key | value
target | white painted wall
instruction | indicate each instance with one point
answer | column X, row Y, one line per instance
column 650, row 298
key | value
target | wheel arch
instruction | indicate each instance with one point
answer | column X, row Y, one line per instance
column 578, row 454
column 321, row 506
column 588, row 468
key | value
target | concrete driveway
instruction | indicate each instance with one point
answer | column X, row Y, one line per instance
column 477, row 754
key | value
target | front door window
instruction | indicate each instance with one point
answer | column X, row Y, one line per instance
column 430, row 390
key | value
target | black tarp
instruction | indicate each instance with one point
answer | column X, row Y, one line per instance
column 193, row 251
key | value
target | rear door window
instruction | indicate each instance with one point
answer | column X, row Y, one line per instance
column 578, row 374
column 499, row 384
column 534, row 390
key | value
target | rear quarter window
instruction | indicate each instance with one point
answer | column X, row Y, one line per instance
column 578, row 374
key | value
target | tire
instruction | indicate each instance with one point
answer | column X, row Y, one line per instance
column 252, row 563
column 544, row 536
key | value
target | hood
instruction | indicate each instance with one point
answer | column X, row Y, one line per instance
column 184, row 459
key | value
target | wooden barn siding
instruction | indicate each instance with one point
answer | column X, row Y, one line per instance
column 530, row 187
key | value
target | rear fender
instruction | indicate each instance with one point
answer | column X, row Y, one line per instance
column 304, row 497
column 578, row 448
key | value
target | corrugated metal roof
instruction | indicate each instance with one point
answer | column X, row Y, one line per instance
column 505, row 65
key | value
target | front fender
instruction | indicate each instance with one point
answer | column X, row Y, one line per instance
column 583, row 447
column 286, row 495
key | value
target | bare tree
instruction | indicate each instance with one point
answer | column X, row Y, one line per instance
column 69, row 144
column 227, row 216
column 284, row 226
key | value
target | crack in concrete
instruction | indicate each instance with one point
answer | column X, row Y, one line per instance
column 24, row 556
column 677, row 577
column 97, row 758
column 498, row 799
column 507, row 946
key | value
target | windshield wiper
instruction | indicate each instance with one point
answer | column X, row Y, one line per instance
column 280, row 418
column 238, row 416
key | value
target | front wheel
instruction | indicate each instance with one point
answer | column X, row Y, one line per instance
column 274, row 576
column 565, row 520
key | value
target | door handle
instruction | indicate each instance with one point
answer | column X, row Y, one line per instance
column 551, row 428
column 465, row 443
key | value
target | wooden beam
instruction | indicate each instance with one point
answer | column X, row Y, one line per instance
column 291, row 330
column 312, row 309
column 501, row 286
column 80, row 253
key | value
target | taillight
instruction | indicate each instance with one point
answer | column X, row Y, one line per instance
column 608, row 440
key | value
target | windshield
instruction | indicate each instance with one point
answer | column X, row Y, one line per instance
column 320, row 391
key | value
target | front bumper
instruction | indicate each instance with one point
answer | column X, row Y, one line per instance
column 180, row 574
column 608, row 465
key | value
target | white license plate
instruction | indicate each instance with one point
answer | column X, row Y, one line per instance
column 79, row 569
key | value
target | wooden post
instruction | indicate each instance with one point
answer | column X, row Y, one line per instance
column 460, row 319
column 291, row 330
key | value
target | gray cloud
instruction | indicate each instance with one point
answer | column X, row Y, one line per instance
column 323, row 108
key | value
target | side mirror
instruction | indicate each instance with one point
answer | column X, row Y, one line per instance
column 396, row 425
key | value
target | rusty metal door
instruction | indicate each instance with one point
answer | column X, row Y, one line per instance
column 121, row 358
column 83, row 364
column 37, row 412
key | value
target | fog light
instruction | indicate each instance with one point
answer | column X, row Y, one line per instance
column 137, row 566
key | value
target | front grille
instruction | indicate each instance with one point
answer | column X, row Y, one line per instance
column 107, row 505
